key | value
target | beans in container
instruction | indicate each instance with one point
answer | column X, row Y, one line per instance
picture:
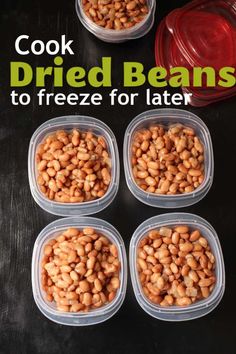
column 176, row 266
column 80, row 270
column 115, row 14
column 167, row 160
column 73, row 167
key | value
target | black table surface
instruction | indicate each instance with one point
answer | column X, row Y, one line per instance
column 23, row 329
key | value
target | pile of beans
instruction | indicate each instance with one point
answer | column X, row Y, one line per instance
column 80, row 270
column 115, row 14
column 175, row 266
column 167, row 161
column 73, row 167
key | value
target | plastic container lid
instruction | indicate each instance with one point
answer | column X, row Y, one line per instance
column 173, row 47
column 205, row 32
column 167, row 53
column 114, row 36
column 166, row 117
column 84, row 123
column 79, row 318
column 177, row 313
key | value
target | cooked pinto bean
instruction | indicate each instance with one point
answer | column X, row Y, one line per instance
column 73, row 167
column 116, row 15
column 167, row 160
column 80, row 270
column 174, row 271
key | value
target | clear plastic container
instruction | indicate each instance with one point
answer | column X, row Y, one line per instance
column 199, row 308
column 168, row 117
column 49, row 308
column 84, row 123
column 113, row 36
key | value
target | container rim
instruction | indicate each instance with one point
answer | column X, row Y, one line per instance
column 159, row 114
column 80, row 120
column 170, row 219
column 54, row 228
column 121, row 34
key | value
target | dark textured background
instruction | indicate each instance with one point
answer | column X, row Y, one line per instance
column 23, row 329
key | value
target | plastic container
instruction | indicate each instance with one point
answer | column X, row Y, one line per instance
column 48, row 308
column 113, row 36
column 176, row 44
column 205, row 49
column 168, row 55
column 167, row 52
column 168, row 117
column 199, row 308
column 84, row 123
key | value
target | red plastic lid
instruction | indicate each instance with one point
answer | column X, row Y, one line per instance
column 199, row 99
column 205, row 32
column 167, row 53
column 176, row 57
